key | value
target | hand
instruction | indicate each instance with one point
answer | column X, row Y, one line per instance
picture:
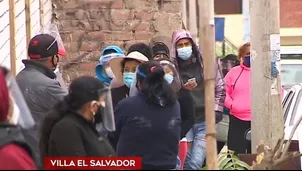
column 190, row 85
column 218, row 116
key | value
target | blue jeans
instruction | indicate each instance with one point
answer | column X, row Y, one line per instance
column 197, row 154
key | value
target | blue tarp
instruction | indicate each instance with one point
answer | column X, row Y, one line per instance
column 219, row 29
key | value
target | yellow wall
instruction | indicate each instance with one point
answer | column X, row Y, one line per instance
column 234, row 30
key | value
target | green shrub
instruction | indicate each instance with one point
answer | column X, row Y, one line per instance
column 227, row 160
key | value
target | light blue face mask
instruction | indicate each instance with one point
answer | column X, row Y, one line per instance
column 169, row 78
column 128, row 78
column 185, row 52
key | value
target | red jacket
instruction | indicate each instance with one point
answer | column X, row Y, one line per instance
column 14, row 157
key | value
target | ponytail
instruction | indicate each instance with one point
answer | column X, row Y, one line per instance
column 153, row 85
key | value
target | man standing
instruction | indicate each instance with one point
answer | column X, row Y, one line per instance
column 188, row 60
column 38, row 84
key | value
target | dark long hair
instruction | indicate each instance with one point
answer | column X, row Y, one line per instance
column 81, row 91
column 150, row 77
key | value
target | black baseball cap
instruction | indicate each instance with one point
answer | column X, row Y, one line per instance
column 42, row 46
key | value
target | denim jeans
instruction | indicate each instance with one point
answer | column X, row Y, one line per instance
column 197, row 154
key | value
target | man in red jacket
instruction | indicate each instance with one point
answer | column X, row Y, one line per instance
column 15, row 154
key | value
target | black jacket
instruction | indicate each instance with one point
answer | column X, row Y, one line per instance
column 75, row 136
column 187, row 108
column 119, row 94
column 149, row 131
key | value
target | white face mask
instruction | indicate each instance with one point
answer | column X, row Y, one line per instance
column 109, row 72
column 16, row 114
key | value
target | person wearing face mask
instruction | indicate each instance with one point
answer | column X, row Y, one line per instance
column 15, row 151
column 103, row 70
column 124, row 69
column 188, row 60
column 37, row 81
column 148, row 124
column 238, row 100
column 187, row 118
column 139, row 47
column 69, row 129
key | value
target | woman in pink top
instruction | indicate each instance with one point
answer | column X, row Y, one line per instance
column 238, row 95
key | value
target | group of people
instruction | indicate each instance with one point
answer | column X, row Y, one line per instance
column 141, row 103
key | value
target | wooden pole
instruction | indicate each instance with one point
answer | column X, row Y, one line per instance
column 41, row 3
column 193, row 18
column 12, row 37
column 207, row 43
column 184, row 13
column 28, row 21
column 267, row 118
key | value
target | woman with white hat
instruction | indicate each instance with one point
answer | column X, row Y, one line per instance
column 124, row 69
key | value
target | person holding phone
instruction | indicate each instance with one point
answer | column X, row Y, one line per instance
column 188, row 60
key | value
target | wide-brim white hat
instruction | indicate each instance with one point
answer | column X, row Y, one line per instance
column 116, row 63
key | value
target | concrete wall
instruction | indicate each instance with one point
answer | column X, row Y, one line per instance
column 20, row 32
column 87, row 26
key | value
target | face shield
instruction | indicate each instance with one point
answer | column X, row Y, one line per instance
column 107, row 110
column 54, row 31
column 20, row 114
column 227, row 65
column 171, row 75
column 133, row 89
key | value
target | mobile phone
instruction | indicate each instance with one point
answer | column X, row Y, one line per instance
column 192, row 80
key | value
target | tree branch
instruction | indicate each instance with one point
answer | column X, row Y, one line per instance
column 291, row 136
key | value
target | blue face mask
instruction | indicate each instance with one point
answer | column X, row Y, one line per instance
column 247, row 61
column 129, row 77
column 169, row 78
column 185, row 52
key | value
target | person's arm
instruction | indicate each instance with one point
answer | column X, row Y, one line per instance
column 55, row 92
column 220, row 91
column 119, row 121
column 228, row 87
column 14, row 157
column 67, row 140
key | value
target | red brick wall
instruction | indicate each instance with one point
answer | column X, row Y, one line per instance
column 290, row 13
column 87, row 26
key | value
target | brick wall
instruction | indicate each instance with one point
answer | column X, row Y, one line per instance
column 20, row 28
column 290, row 13
column 87, row 26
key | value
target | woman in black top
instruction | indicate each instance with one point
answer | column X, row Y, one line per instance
column 148, row 124
column 70, row 129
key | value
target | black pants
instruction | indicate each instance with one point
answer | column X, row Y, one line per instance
column 236, row 136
